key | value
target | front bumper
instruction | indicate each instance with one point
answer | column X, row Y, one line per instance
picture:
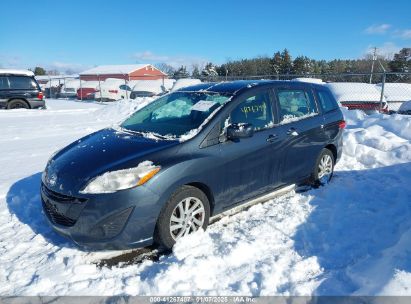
column 121, row 220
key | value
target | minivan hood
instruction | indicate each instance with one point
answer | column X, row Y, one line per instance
column 106, row 150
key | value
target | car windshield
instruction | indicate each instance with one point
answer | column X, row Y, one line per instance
column 175, row 114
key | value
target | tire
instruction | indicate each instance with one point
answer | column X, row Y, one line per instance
column 324, row 168
column 17, row 104
column 174, row 223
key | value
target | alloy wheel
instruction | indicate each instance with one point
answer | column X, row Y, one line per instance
column 188, row 216
column 325, row 169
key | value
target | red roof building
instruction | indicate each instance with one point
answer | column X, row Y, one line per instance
column 128, row 72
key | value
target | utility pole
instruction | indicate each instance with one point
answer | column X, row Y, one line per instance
column 384, row 78
column 374, row 57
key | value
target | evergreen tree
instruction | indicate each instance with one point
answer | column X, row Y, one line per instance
column 302, row 65
column 196, row 72
column 276, row 63
column 209, row 70
column 38, row 71
column 286, row 63
column 181, row 73
column 401, row 61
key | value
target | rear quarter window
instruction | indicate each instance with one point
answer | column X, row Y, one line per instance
column 327, row 102
column 22, row 83
column 4, row 83
column 295, row 104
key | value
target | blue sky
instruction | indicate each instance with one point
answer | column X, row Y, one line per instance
column 80, row 34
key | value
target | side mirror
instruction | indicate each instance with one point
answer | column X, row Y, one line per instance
column 237, row 131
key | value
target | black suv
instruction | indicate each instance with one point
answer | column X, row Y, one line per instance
column 19, row 89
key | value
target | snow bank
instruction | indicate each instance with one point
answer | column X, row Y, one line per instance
column 117, row 111
column 354, row 91
column 350, row 237
column 153, row 86
column 185, row 82
column 396, row 92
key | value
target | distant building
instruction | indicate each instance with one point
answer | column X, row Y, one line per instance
column 128, row 72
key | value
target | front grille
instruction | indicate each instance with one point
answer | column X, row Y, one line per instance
column 53, row 202
column 61, row 197
column 56, row 217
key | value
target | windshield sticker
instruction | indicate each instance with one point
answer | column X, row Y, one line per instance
column 203, row 105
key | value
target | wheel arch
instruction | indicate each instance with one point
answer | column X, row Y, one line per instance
column 333, row 150
column 207, row 191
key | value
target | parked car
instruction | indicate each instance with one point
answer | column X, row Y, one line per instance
column 150, row 88
column 358, row 96
column 87, row 90
column 19, row 89
column 188, row 156
column 405, row 108
column 50, row 85
column 69, row 89
column 112, row 89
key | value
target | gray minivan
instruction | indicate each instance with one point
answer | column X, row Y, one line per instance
column 188, row 157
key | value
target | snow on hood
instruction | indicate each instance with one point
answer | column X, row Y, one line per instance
column 154, row 86
column 95, row 154
column 119, row 110
column 90, row 84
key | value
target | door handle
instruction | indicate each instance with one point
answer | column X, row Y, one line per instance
column 292, row 132
column 271, row 138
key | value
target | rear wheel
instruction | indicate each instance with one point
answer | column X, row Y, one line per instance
column 187, row 210
column 17, row 104
column 324, row 168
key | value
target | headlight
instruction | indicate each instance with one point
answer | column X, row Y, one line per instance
column 122, row 179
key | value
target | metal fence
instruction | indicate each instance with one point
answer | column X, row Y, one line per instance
column 381, row 90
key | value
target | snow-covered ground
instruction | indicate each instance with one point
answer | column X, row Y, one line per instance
column 350, row 237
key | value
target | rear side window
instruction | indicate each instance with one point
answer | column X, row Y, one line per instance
column 22, row 83
column 4, row 83
column 327, row 102
column 255, row 110
column 295, row 104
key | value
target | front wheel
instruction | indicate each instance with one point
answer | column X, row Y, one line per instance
column 187, row 210
column 324, row 168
